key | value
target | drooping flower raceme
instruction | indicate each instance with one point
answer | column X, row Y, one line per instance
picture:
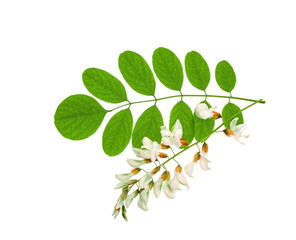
column 236, row 131
column 202, row 111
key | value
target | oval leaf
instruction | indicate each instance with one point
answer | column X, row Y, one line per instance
column 168, row 68
column 78, row 117
column 104, row 86
column 197, row 70
column 203, row 127
column 117, row 133
column 231, row 111
column 147, row 125
column 137, row 72
column 225, row 76
column 183, row 112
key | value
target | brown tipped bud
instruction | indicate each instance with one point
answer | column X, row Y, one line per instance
column 183, row 142
column 164, row 175
column 228, row 132
column 196, row 157
column 162, row 155
column 164, row 146
column 205, row 147
column 155, row 170
column 216, row 115
column 136, row 171
column 147, row 160
column 151, row 184
column 178, row 169
column 132, row 182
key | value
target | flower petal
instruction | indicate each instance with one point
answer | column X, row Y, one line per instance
column 144, row 195
column 181, row 178
column 177, row 128
column 130, row 198
column 142, row 205
column 233, row 123
column 188, row 169
column 145, row 154
column 124, row 176
column 203, row 162
column 147, row 143
column 168, row 190
column 135, row 163
column 121, row 185
column 137, row 151
column 167, row 141
column 145, row 180
column 157, row 187
column 175, row 184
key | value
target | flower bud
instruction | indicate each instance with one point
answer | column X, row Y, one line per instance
column 132, row 182
column 151, row 184
column 155, row 170
column 228, row 132
column 183, row 142
column 163, row 146
column 164, row 175
column 168, row 176
column 178, row 169
column 162, row 155
column 124, row 193
column 136, row 171
column 205, row 147
column 196, row 157
column 216, row 115
column 146, row 160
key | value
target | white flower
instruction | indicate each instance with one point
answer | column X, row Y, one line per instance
column 238, row 131
column 142, row 205
column 178, row 178
column 172, row 138
column 130, row 198
column 157, row 187
column 204, row 162
column 137, row 163
column 168, row 189
column 124, row 177
column 145, row 180
column 202, row 111
column 149, row 150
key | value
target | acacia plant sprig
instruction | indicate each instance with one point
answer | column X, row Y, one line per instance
column 79, row 116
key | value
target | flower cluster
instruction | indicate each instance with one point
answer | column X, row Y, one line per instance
column 151, row 152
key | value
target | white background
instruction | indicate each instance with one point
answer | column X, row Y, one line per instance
column 54, row 188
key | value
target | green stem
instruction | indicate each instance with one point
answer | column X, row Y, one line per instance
column 215, row 130
column 188, row 95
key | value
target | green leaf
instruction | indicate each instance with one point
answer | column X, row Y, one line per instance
column 168, row 68
column 117, row 133
column 147, row 125
column 183, row 112
column 228, row 113
column 137, row 72
column 225, row 76
column 203, row 127
column 104, row 86
column 197, row 70
column 78, row 117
